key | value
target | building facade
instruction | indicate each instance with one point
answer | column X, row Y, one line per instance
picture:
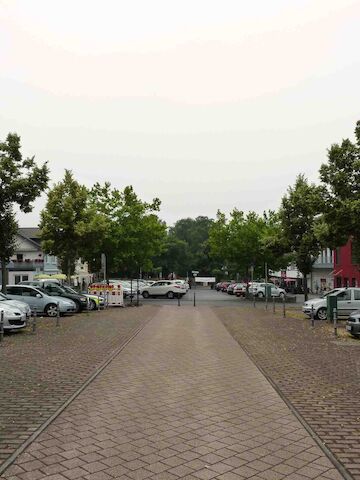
column 346, row 270
column 321, row 277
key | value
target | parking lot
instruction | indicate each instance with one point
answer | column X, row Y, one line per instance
column 308, row 367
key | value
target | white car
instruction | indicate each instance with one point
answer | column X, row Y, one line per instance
column 22, row 306
column 167, row 288
column 348, row 300
column 14, row 319
column 259, row 289
column 182, row 282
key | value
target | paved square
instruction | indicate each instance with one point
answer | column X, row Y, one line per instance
column 182, row 400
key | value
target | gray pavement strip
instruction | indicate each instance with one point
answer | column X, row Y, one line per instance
column 11, row 459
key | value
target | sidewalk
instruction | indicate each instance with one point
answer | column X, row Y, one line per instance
column 182, row 400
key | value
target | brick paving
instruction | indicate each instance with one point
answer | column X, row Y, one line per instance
column 182, row 400
column 319, row 375
column 40, row 372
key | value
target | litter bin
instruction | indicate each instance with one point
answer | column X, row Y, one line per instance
column 331, row 303
column 268, row 291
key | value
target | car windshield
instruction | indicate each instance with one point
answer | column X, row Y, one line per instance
column 68, row 289
column 331, row 292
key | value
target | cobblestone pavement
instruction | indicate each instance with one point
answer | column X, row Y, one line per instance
column 319, row 375
column 182, row 400
column 40, row 372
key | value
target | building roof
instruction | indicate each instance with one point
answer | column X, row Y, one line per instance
column 32, row 234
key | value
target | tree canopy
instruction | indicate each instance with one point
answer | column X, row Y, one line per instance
column 21, row 182
column 341, row 179
column 69, row 225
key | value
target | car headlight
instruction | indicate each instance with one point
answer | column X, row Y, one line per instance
column 83, row 299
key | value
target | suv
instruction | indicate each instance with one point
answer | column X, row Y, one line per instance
column 39, row 301
column 54, row 289
column 259, row 289
column 167, row 288
column 348, row 300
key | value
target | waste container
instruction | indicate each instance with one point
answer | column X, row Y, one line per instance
column 268, row 291
column 331, row 303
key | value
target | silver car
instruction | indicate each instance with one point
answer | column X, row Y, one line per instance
column 14, row 319
column 39, row 301
column 22, row 306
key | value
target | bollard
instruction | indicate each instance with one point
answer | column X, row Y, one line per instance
column 194, row 298
column 131, row 292
column 58, row 315
column 266, row 301
column 98, row 305
column 273, row 302
column 1, row 326
column 312, row 316
column 284, row 311
column 335, row 321
column 137, row 292
column 33, row 322
column 254, row 299
column 178, row 299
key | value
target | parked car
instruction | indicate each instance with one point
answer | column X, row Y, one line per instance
column 240, row 289
column 218, row 286
column 348, row 300
column 22, row 306
column 39, row 300
column 224, row 286
column 94, row 301
column 14, row 319
column 54, row 289
column 182, row 282
column 353, row 324
column 230, row 288
column 167, row 288
column 259, row 289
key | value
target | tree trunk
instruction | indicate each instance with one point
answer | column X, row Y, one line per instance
column 4, row 277
column 305, row 287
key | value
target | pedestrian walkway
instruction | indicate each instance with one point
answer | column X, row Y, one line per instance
column 182, row 400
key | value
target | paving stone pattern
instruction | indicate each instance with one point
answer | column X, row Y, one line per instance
column 40, row 372
column 318, row 375
column 182, row 400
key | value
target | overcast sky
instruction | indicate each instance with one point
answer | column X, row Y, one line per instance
column 205, row 104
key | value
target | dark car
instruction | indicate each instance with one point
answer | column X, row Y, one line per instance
column 353, row 323
column 54, row 289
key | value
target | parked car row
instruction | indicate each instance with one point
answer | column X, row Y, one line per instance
column 256, row 288
column 150, row 288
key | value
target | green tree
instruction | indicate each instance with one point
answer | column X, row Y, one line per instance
column 70, row 227
column 135, row 233
column 341, row 178
column 175, row 257
column 300, row 214
column 21, row 182
column 195, row 232
column 246, row 241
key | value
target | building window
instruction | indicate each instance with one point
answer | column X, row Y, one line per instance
column 338, row 282
column 353, row 257
column 346, row 282
column 19, row 257
column 337, row 256
column 353, row 282
column 17, row 279
column 25, row 278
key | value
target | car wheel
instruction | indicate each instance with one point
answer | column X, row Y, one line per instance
column 92, row 305
column 170, row 295
column 281, row 294
column 321, row 314
column 51, row 310
column 145, row 294
column 260, row 294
